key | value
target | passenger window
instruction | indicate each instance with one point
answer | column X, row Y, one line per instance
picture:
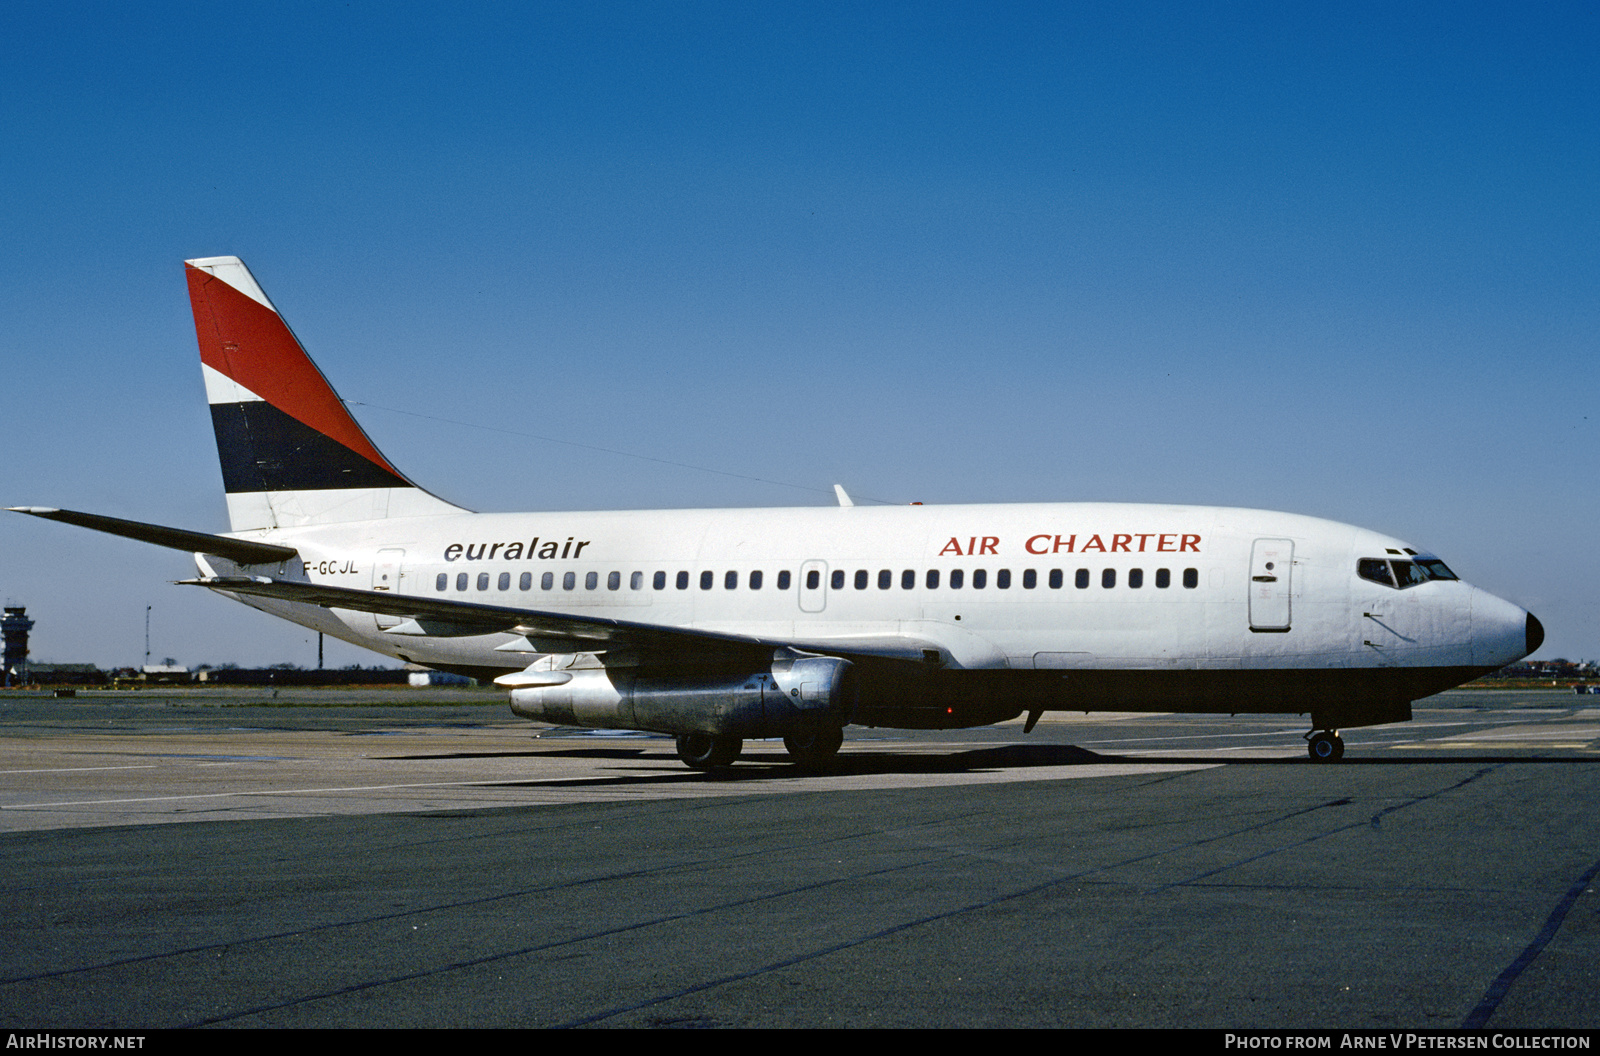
column 658, row 581
column 1135, row 578
column 755, row 581
column 613, row 580
column 861, row 579
column 1108, row 578
column 908, row 579
column 1002, row 579
column 547, row 581
column 980, row 579
column 636, row 581
column 885, row 579
column 1030, row 579
column 955, row 579
column 1055, row 579
column 783, row 580
column 812, row 579
column 933, row 579
column 706, row 579
column 1163, row 578
column 1191, row 578
column 525, row 581
column 731, row 581
column 1080, row 579
column 505, row 581
column 591, row 580
column 442, row 582
column 569, row 581
column 683, row 581
column 461, row 581
column 836, row 581
column 483, row 581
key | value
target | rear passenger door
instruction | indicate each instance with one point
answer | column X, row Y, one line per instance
column 386, row 572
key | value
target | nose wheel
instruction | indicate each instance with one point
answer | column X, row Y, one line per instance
column 1325, row 746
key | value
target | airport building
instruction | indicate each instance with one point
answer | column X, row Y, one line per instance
column 14, row 627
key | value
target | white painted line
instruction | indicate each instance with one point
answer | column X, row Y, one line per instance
column 81, row 769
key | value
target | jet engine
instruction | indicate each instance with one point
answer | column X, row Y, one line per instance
column 794, row 695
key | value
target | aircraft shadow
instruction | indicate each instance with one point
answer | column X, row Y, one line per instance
column 765, row 766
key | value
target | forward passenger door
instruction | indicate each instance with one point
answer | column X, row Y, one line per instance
column 1271, row 580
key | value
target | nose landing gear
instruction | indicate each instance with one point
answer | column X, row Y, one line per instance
column 1325, row 746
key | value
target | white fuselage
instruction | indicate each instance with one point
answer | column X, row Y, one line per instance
column 1061, row 588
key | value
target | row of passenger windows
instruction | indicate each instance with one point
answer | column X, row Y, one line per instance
column 591, row 581
column 885, row 579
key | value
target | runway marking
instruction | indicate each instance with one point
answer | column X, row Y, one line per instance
column 1497, row 745
column 260, row 792
column 81, row 769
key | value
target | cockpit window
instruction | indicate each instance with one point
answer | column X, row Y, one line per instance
column 1435, row 568
column 1375, row 569
column 1402, row 574
column 1408, row 573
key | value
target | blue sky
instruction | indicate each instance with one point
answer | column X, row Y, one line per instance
column 1334, row 259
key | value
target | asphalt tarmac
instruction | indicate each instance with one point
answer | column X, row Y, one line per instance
column 423, row 858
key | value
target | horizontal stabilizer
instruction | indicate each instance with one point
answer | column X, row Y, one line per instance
column 239, row 551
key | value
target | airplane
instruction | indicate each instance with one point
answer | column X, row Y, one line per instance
column 718, row 626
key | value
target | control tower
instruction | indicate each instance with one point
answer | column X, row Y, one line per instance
column 14, row 627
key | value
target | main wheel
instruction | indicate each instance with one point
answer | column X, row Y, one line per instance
column 815, row 749
column 705, row 752
column 1325, row 746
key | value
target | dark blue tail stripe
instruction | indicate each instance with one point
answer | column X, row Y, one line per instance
column 264, row 449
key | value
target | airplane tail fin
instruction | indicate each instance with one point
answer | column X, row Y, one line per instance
column 291, row 453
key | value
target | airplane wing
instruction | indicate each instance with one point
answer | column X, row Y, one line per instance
column 239, row 551
column 550, row 632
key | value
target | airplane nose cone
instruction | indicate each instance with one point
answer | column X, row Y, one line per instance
column 1502, row 632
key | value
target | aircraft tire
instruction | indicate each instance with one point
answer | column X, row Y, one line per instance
column 1325, row 746
column 702, row 751
column 815, row 749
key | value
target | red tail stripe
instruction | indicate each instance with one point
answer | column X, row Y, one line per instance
column 247, row 341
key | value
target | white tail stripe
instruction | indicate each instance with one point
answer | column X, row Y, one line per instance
column 222, row 389
column 232, row 271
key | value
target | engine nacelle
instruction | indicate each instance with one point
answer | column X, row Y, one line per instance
column 797, row 693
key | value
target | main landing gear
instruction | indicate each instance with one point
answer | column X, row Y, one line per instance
column 812, row 750
column 701, row 751
column 1325, row 746
column 815, row 749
